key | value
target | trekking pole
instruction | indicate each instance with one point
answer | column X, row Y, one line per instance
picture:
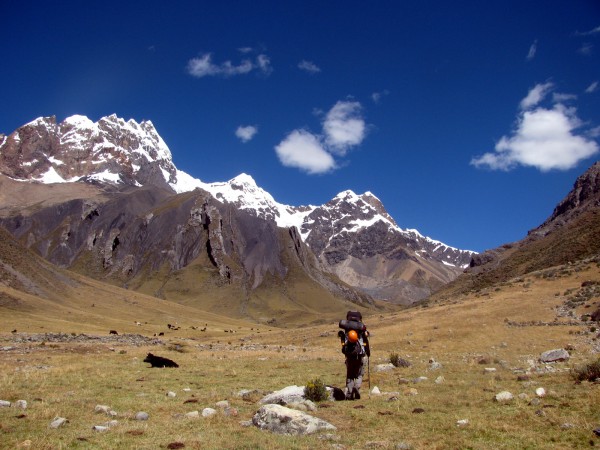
column 369, row 373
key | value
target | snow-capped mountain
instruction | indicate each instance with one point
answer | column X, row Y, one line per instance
column 352, row 235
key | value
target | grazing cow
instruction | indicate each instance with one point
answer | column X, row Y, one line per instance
column 159, row 361
column 113, row 332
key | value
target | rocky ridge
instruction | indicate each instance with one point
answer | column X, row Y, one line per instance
column 352, row 235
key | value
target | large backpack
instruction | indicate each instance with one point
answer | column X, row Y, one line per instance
column 354, row 350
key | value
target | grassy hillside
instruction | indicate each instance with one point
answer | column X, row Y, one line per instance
column 505, row 327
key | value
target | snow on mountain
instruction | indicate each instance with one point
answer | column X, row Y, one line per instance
column 116, row 151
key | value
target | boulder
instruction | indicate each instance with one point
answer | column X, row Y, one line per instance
column 559, row 354
column 281, row 420
column 503, row 396
column 290, row 394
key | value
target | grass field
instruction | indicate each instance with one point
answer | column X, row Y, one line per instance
column 505, row 327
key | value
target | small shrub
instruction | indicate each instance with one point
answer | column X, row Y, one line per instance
column 397, row 361
column 589, row 372
column 316, row 391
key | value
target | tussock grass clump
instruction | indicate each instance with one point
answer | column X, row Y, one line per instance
column 588, row 372
column 316, row 391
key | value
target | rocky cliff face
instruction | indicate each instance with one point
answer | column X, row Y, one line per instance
column 352, row 236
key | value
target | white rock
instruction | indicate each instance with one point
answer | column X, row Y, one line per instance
column 286, row 395
column 21, row 404
column 540, row 392
column 462, row 423
column 99, row 428
column 503, row 396
column 171, row 394
column 142, row 416
column 208, row 412
column 440, row 380
column 102, row 409
column 384, row 367
column 58, row 422
column 222, row 404
column 489, row 370
column 192, row 415
column 375, row 391
column 281, row 420
column 5, row 404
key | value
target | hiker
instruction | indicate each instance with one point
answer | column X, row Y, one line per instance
column 355, row 345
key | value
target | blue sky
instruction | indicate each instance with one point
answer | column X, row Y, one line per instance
column 469, row 120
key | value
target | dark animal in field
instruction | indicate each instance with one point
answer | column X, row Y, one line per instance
column 113, row 332
column 596, row 315
column 338, row 394
column 159, row 361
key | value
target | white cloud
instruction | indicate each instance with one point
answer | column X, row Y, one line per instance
column 303, row 150
column 544, row 139
column 246, row 133
column 308, row 66
column 203, row 66
column 532, row 51
column 377, row 96
column 344, row 126
column 592, row 87
column 588, row 33
column 536, row 95
column 560, row 97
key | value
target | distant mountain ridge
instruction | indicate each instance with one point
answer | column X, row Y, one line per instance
column 353, row 236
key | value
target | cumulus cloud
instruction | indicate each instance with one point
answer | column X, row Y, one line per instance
column 536, row 95
column 544, row 138
column 203, row 66
column 343, row 128
column 246, row 133
column 592, row 87
column 308, row 66
column 532, row 51
column 304, row 150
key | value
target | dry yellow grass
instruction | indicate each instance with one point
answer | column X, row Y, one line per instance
column 69, row 379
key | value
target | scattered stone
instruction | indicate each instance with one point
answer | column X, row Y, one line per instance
column 384, row 367
column 102, row 409
column 375, row 391
column 208, row 412
column 186, row 390
column 440, row 380
column 596, row 431
column 99, row 428
column 503, row 396
column 231, row 412
column 420, row 379
column 403, row 381
column 523, row 378
column 22, row 404
column 540, row 413
column 192, row 415
column 246, row 423
column 5, row 404
column 222, row 404
column 434, row 365
column 286, row 395
column 142, row 416
column 462, row 423
column 559, row 354
column 411, row 392
column 171, row 394
column 540, row 392
column 58, row 422
column 281, row 420
column 535, row 402
column 523, row 396
column 489, row 370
